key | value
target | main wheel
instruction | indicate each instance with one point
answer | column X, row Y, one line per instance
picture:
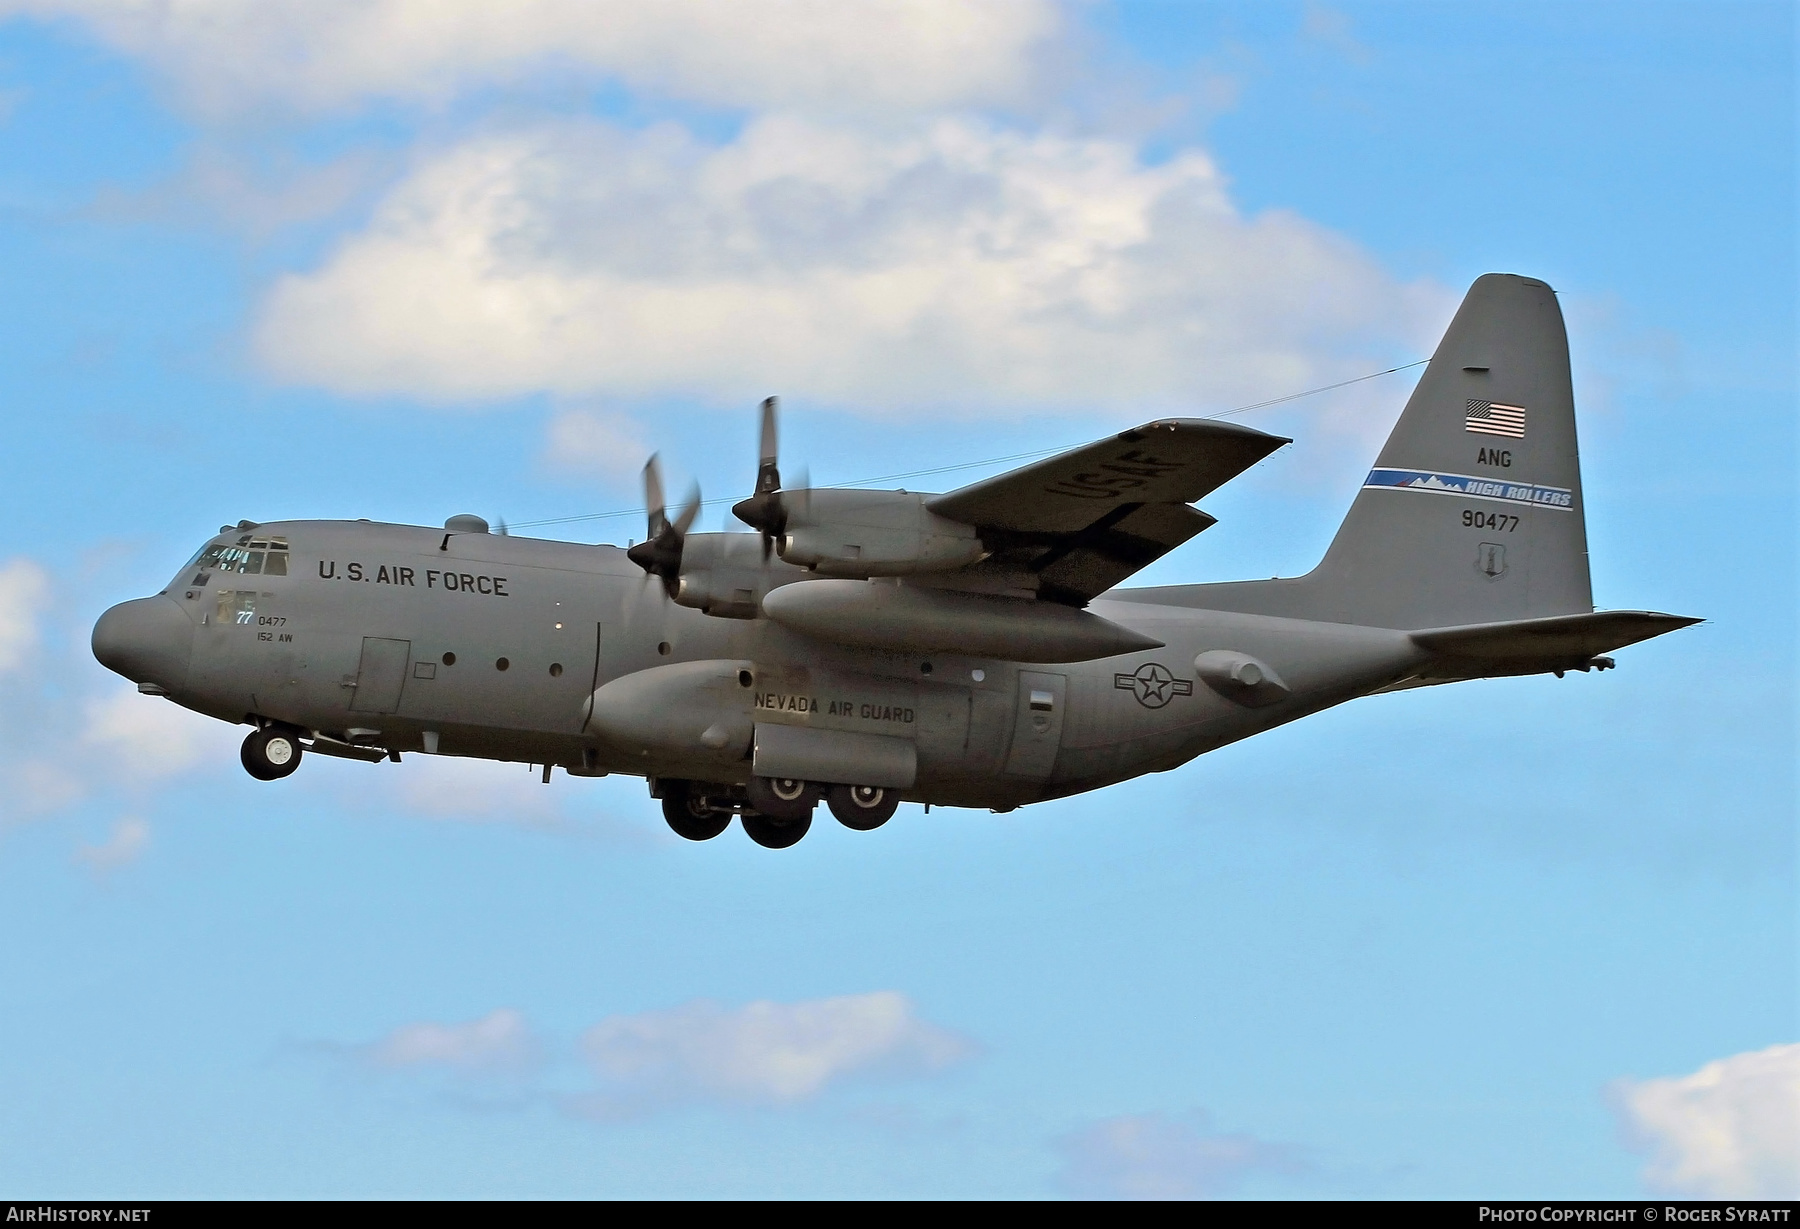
column 773, row 833
column 782, row 798
column 271, row 754
column 862, row 807
column 691, row 818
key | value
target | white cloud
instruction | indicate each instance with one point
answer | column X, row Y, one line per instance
column 129, row 838
column 1731, row 1130
column 37, row 786
column 1329, row 28
column 24, row 593
column 764, row 1053
column 1155, row 1156
column 144, row 739
column 450, row 787
column 951, row 264
column 254, row 193
column 499, row 1042
column 313, row 55
column 585, row 442
column 458, row 789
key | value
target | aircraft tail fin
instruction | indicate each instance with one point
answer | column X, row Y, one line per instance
column 1473, row 511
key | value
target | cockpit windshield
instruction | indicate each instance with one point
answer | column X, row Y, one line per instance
column 248, row 556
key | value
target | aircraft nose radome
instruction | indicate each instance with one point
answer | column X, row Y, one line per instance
column 148, row 640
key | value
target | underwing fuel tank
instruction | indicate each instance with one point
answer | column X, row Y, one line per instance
column 918, row 619
column 686, row 711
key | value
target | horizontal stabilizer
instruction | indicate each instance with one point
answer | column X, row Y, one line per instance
column 1556, row 637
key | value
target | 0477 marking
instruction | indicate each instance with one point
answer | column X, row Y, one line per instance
column 1489, row 520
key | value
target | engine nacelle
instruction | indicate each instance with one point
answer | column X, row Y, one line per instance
column 861, row 534
column 725, row 575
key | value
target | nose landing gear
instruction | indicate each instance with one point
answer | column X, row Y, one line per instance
column 271, row 754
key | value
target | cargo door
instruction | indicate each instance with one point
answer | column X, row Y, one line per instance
column 380, row 675
column 1037, row 724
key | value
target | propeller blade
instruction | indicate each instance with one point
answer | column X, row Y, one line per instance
column 768, row 473
column 685, row 521
column 660, row 553
column 653, row 496
column 794, row 500
column 764, row 510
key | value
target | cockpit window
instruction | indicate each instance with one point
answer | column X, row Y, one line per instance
column 249, row 557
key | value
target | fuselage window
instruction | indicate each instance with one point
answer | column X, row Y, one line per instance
column 237, row 606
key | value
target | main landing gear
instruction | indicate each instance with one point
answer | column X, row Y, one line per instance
column 775, row 811
column 772, row 833
column 862, row 807
column 692, row 817
column 272, row 753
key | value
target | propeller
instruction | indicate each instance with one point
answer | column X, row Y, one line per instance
column 659, row 554
column 764, row 510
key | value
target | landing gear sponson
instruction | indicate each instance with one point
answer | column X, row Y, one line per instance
column 775, row 811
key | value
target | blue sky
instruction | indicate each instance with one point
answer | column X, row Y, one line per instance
column 1480, row 940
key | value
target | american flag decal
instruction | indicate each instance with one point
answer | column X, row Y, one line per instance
column 1492, row 418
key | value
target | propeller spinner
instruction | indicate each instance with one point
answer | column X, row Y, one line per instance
column 659, row 554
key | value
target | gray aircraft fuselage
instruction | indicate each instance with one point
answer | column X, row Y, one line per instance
column 385, row 635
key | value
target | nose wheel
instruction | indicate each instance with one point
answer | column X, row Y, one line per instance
column 271, row 754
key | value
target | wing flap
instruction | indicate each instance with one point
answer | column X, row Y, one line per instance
column 1086, row 564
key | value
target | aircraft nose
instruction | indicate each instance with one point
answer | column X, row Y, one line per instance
column 148, row 640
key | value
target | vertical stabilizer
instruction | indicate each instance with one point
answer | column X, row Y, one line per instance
column 1473, row 511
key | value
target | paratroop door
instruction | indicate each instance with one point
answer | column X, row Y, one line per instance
column 381, row 675
column 1037, row 725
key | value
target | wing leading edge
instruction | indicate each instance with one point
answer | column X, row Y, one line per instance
column 1075, row 525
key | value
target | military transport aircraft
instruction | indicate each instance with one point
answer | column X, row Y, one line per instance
column 867, row 647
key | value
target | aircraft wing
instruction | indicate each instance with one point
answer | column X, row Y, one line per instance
column 1084, row 520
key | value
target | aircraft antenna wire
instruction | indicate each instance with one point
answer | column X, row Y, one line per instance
column 1017, row 456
